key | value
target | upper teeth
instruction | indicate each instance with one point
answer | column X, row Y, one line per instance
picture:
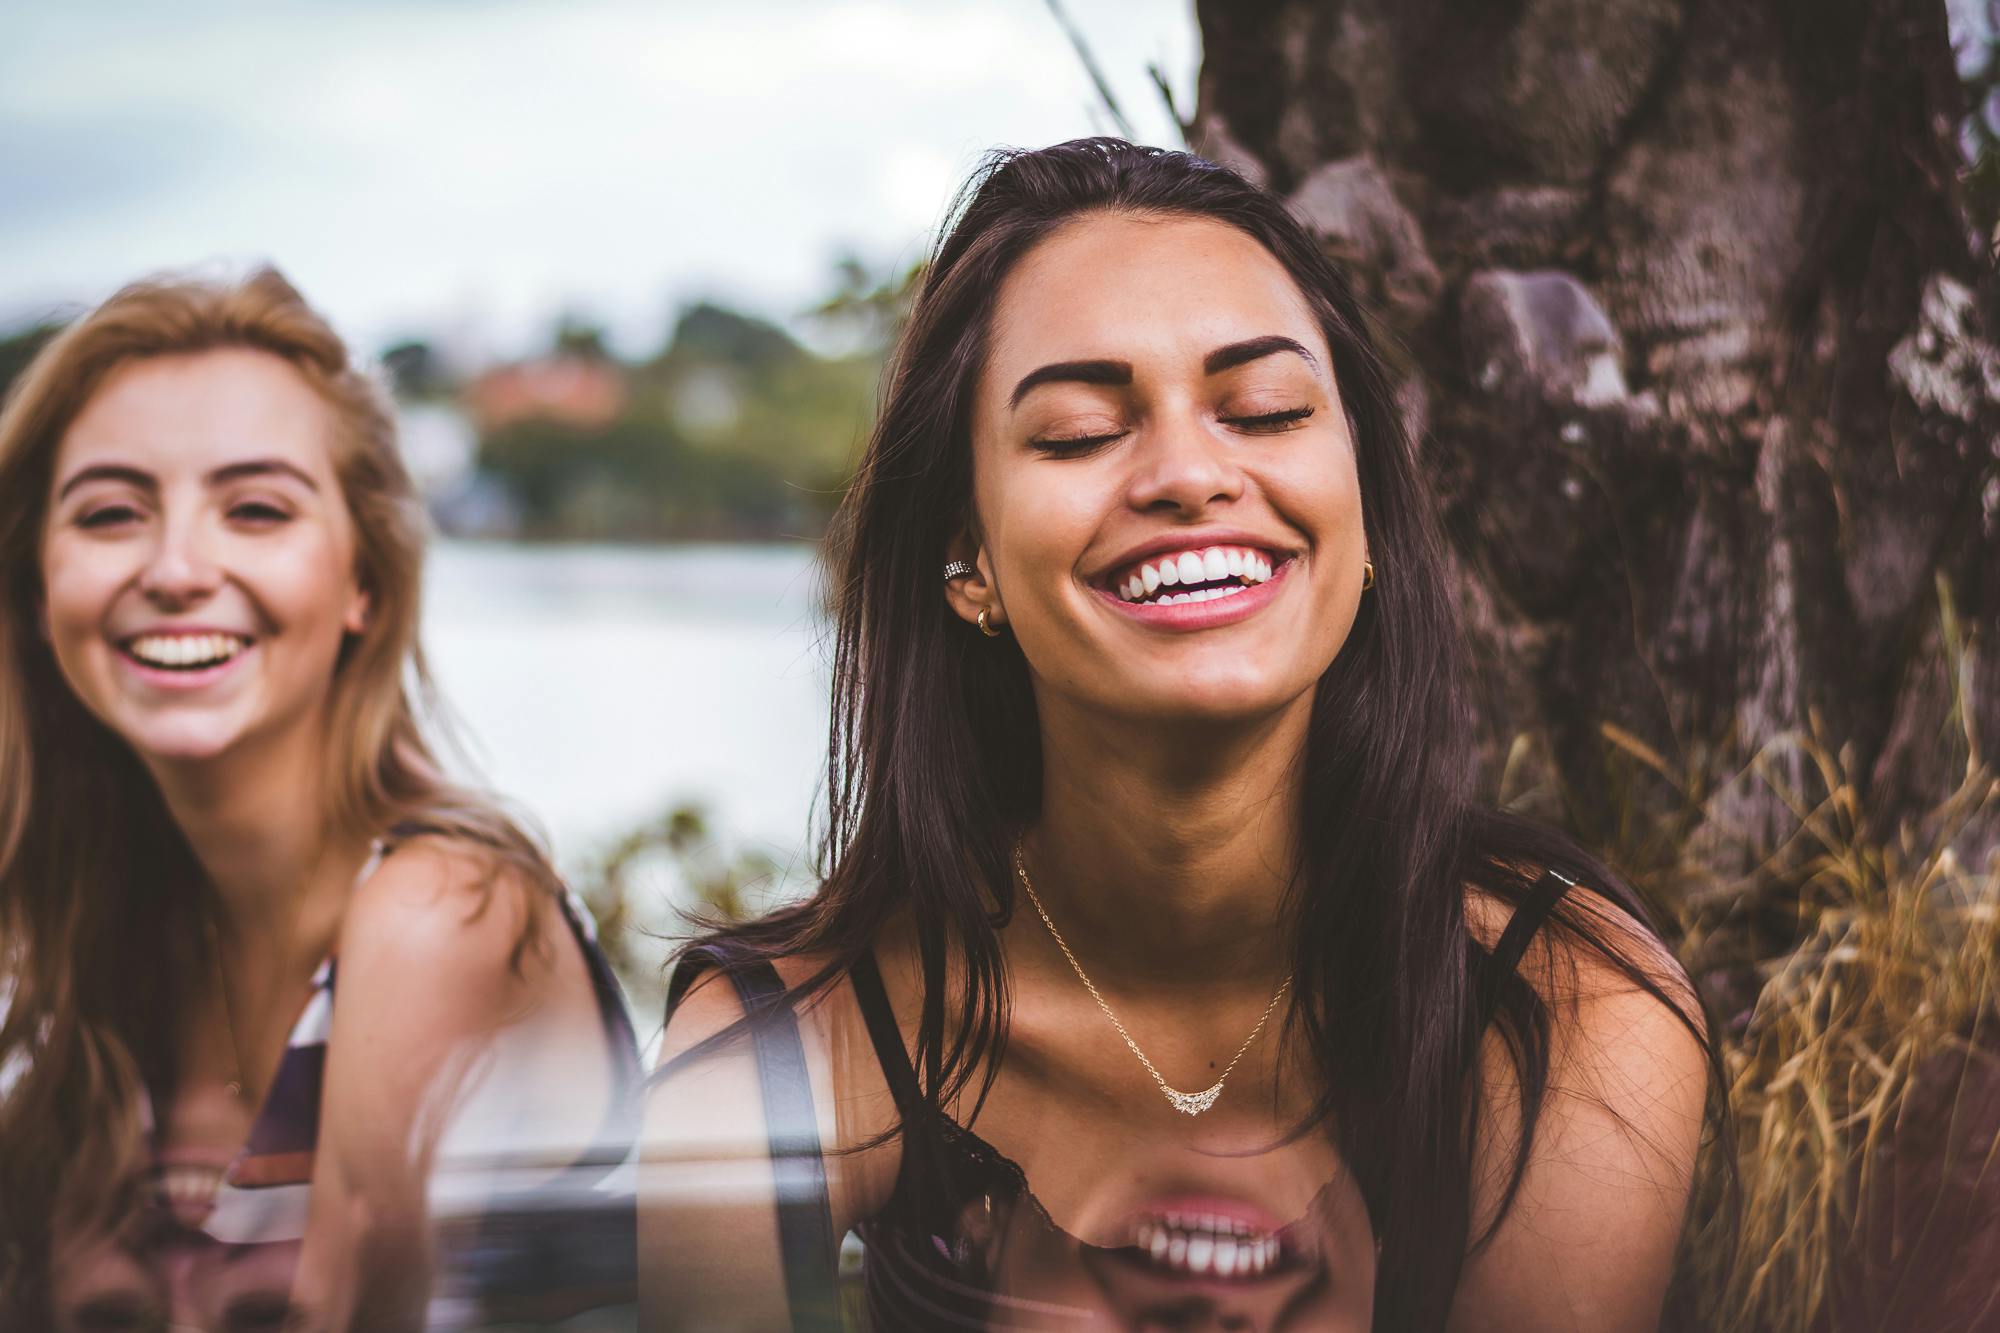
column 1204, row 1245
column 186, row 649
column 1211, row 565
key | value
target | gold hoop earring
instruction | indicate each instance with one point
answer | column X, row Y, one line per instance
column 985, row 628
column 1367, row 575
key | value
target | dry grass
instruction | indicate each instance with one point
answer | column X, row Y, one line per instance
column 1900, row 961
column 1847, row 967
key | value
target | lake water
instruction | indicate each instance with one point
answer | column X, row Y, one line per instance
column 597, row 686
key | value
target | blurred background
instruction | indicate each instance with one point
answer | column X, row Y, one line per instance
column 1692, row 303
column 632, row 269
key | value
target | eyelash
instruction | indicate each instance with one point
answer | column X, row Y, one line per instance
column 1263, row 421
column 106, row 516
column 247, row 511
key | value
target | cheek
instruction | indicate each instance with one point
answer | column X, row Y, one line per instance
column 79, row 585
column 305, row 585
column 1038, row 528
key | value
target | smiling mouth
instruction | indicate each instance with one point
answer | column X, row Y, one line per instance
column 1206, row 1246
column 184, row 652
column 1199, row 575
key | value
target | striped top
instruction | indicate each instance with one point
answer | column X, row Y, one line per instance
column 496, row 1247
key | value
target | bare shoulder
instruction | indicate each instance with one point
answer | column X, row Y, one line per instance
column 454, row 918
column 852, row 1104
column 1589, row 1237
column 1587, row 952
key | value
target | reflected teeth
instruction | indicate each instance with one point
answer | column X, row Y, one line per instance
column 1202, row 1245
column 1212, row 568
column 185, row 651
column 189, row 1184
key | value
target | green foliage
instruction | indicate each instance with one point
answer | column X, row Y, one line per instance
column 717, row 881
column 734, row 430
column 18, row 349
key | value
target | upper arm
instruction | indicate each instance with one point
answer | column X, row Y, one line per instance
column 441, row 953
column 709, row 1252
column 1590, row 1238
column 708, row 1234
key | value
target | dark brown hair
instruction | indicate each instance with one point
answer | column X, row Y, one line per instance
column 935, row 754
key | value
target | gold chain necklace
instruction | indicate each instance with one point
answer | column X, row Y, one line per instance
column 234, row 1085
column 1189, row 1103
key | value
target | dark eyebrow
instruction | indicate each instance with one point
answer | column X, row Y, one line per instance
column 260, row 467
column 1120, row 372
column 145, row 481
column 131, row 476
column 1250, row 349
column 1073, row 372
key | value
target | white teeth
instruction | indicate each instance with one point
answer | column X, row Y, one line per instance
column 1200, row 1244
column 1212, row 565
column 180, row 650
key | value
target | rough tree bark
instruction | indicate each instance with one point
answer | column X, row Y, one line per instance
column 1701, row 342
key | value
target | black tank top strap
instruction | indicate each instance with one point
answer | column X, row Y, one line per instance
column 1533, row 910
column 806, row 1241
column 873, row 998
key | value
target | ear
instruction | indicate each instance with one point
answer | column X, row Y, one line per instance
column 356, row 619
column 969, row 594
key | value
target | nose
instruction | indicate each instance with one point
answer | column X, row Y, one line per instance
column 179, row 571
column 1183, row 466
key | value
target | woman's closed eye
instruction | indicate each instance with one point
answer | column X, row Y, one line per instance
column 1268, row 421
column 108, row 515
column 259, row 513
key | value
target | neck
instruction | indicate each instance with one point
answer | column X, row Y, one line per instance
column 1164, row 854
column 255, row 818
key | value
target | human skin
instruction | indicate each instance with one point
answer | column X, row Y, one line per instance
column 1172, row 746
column 196, row 496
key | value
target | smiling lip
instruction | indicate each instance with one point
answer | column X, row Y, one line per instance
column 183, row 657
column 1208, row 1239
column 1188, row 616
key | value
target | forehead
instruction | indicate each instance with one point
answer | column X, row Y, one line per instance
column 1159, row 289
column 191, row 413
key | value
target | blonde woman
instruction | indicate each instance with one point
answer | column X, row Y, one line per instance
column 244, row 915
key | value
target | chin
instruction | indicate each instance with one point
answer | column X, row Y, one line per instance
column 189, row 741
column 1218, row 703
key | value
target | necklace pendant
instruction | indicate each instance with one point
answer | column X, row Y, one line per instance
column 1194, row 1103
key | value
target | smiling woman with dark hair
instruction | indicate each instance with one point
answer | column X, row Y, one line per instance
column 1166, row 971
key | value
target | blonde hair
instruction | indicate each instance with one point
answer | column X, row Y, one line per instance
column 98, row 890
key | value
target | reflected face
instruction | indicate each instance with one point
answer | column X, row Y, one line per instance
column 151, row 1276
column 198, row 560
column 1166, row 509
column 1193, row 1263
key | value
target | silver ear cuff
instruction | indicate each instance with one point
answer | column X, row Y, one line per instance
column 957, row 569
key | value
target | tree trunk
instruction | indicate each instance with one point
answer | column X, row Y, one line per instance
column 1701, row 343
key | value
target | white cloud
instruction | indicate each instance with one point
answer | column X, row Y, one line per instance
column 425, row 164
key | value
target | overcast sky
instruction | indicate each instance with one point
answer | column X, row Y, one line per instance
column 469, row 168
